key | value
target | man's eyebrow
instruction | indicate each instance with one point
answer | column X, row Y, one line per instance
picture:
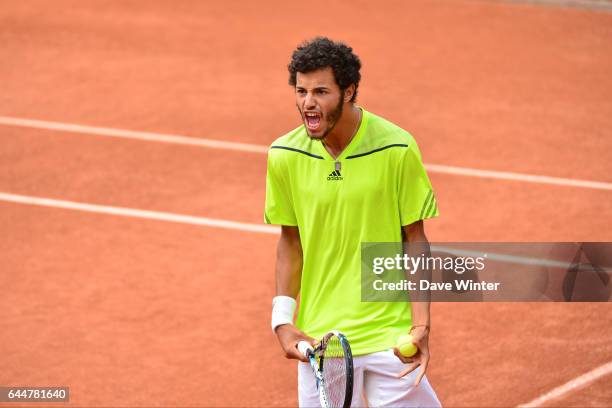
column 321, row 87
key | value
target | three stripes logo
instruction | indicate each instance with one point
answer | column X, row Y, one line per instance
column 335, row 175
column 430, row 206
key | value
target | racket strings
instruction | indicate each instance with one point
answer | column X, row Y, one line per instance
column 334, row 372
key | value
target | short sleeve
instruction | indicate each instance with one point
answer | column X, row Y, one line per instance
column 279, row 205
column 417, row 200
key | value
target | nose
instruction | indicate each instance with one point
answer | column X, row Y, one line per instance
column 309, row 101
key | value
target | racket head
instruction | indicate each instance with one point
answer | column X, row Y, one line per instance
column 335, row 362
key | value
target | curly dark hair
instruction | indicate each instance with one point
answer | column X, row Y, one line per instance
column 321, row 52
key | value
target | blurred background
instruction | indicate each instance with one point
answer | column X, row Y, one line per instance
column 135, row 266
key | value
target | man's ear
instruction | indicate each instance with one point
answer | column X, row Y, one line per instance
column 349, row 92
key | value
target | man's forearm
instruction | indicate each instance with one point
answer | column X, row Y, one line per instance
column 288, row 277
column 420, row 314
column 420, row 304
column 416, row 245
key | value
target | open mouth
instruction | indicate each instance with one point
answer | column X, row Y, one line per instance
column 313, row 120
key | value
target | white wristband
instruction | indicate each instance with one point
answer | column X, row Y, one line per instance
column 283, row 308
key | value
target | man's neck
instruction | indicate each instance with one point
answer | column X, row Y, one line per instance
column 344, row 131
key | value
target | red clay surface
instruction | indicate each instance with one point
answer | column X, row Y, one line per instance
column 596, row 394
column 132, row 312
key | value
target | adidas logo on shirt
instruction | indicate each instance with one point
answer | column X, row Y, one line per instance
column 335, row 175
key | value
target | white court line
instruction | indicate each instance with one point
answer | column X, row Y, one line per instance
column 132, row 212
column 519, row 260
column 133, row 134
column 529, row 178
column 253, row 148
column 235, row 225
column 600, row 5
column 572, row 385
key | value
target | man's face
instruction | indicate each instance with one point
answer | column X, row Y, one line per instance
column 319, row 100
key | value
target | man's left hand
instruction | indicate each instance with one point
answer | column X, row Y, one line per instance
column 420, row 337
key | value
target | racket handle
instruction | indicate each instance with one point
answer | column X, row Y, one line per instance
column 305, row 348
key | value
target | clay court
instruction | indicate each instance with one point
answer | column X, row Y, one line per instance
column 136, row 268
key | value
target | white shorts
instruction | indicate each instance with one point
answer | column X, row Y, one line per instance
column 374, row 384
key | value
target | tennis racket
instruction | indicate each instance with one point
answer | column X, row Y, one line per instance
column 332, row 363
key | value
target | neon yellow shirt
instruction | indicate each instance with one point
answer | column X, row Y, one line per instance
column 376, row 185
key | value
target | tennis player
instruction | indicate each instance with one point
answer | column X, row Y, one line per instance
column 343, row 177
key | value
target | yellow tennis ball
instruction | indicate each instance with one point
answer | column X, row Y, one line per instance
column 406, row 347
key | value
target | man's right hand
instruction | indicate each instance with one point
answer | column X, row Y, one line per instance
column 288, row 337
